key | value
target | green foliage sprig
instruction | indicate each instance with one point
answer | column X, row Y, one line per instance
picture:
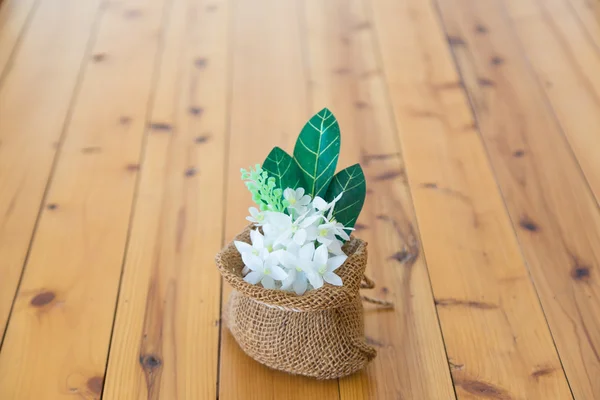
column 263, row 187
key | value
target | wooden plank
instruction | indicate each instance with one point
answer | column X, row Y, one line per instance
column 566, row 63
column 588, row 13
column 553, row 211
column 14, row 18
column 269, row 107
column 345, row 73
column 165, row 341
column 493, row 326
column 57, row 339
column 34, row 103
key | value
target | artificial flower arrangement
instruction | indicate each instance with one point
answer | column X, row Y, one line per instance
column 295, row 270
column 304, row 210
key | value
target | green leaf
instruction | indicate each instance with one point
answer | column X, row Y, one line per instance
column 281, row 166
column 350, row 182
column 317, row 150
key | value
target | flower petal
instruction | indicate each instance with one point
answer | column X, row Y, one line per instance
column 300, row 284
column 253, row 262
column 270, row 230
column 242, row 247
column 324, row 239
column 307, row 251
column 310, row 220
column 278, row 273
column 263, row 254
column 335, row 262
column 337, row 198
column 288, row 259
column 333, row 279
column 293, row 248
column 304, row 201
column 321, row 255
column 300, row 193
column 300, row 236
column 315, row 279
column 280, row 220
column 253, row 277
column 311, row 233
column 257, row 239
column 289, row 281
column 319, row 203
column 289, row 193
column 274, row 258
column 268, row 282
column 336, row 248
column 284, row 237
column 343, row 235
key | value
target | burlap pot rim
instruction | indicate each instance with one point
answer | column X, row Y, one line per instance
column 326, row 297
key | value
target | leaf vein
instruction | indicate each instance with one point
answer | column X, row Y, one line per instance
column 328, row 165
column 305, row 146
column 336, row 212
column 330, row 144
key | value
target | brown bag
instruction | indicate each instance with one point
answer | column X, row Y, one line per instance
column 319, row 334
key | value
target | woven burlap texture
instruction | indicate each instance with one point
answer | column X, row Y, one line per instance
column 319, row 334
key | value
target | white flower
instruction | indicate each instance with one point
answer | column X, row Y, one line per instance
column 321, row 205
column 263, row 269
column 257, row 240
column 297, row 200
column 300, row 266
column 335, row 247
column 324, row 267
column 256, row 217
column 282, row 255
column 325, row 234
column 329, row 230
column 328, row 233
column 298, row 231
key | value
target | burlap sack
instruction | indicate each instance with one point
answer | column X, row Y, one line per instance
column 319, row 334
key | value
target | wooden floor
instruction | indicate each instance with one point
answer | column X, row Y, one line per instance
column 123, row 126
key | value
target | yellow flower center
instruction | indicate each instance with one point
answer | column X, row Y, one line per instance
column 298, row 269
column 292, row 201
column 322, row 269
column 323, row 232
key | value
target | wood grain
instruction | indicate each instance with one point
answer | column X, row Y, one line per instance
column 35, row 97
column 269, row 107
column 566, row 64
column 14, row 18
column 493, row 326
column 345, row 74
column 57, row 339
column 165, row 341
column 554, row 213
column 588, row 14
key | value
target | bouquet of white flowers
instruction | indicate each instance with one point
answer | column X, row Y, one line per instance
column 300, row 247
column 296, row 272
